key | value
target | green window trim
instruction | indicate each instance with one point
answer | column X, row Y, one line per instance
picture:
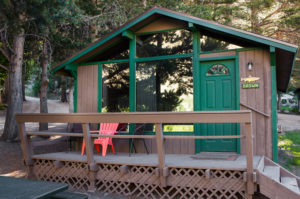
column 157, row 58
column 237, row 106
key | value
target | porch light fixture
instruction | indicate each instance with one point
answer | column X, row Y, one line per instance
column 250, row 65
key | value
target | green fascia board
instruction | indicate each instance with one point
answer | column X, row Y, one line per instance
column 194, row 20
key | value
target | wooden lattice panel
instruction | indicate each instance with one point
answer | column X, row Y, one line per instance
column 142, row 182
column 73, row 173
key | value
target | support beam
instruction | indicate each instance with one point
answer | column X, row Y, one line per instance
column 90, row 156
column 132, row 79
column 196, row 78
column 26, row 149
column 129, row 34
column 160, row 153
column 274, row 104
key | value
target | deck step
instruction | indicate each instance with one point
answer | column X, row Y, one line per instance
column 272, row 172
column 291, row 183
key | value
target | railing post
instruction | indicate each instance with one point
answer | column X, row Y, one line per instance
column 249, row 157
column 27, row 150
column 160, row 153
column 90, row 156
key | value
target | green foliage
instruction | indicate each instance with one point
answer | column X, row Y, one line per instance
column 290, row 141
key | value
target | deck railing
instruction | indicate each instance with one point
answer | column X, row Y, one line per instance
column 158, row 118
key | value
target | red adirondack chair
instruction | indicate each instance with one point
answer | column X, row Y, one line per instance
column 107, row 129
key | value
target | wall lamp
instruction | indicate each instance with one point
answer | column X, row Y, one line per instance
column 250, row 65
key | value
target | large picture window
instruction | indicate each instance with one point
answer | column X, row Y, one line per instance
column 165, row 85
column 166, row 43
column 115, row 87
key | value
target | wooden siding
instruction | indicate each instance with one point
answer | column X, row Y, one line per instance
column 87, row 89
column 161, row 25
column 259, row 99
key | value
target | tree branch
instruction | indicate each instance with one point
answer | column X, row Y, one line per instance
column 4, row 67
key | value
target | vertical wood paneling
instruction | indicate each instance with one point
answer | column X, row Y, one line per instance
column 259, row 99
column 87, row 89
column 268, row 104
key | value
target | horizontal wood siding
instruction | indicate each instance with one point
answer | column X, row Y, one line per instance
column 87, row 85
column 258, row 98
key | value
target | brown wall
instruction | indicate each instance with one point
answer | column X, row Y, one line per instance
column 259, row 98
column 87, row 89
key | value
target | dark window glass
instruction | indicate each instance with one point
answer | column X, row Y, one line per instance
column 165, row 85
column 166, row 43
column 115, row 87
column 217, row 69
column 212, row 44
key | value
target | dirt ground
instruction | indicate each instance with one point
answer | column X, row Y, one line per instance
column 11, row 157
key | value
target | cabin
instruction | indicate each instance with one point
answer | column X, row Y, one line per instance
column 203, row 90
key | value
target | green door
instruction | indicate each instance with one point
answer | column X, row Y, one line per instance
column 217, row 93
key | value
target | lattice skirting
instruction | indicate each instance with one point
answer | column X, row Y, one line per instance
column 143, row 182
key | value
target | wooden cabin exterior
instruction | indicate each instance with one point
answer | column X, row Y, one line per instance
column 189, row 79
column 272, row 63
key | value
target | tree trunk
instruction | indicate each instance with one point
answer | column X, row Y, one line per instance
column 15, row 99
column 63, row 90
column 44, row 85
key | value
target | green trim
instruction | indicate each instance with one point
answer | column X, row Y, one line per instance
column 128, row 33
column 200, row 22
column 159, row 31
column 144, row 59
column 132, row 81
column 237, row 105
column 99, row 88
column 196, row 83
column 105, row 62
column 218, row 58
column 72, row 66
column 274, row 103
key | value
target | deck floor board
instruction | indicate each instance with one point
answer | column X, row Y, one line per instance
column 172, row 160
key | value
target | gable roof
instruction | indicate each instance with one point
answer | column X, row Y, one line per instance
column 285, row 52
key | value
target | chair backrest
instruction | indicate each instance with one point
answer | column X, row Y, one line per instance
column 108, row 128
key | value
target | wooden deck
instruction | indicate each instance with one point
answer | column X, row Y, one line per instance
column 171, row 160
column 157, row 175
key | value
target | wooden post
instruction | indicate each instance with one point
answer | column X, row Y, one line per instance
column 160, row 153
column 26, row 149
column 90, row 156
column 249, row 157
